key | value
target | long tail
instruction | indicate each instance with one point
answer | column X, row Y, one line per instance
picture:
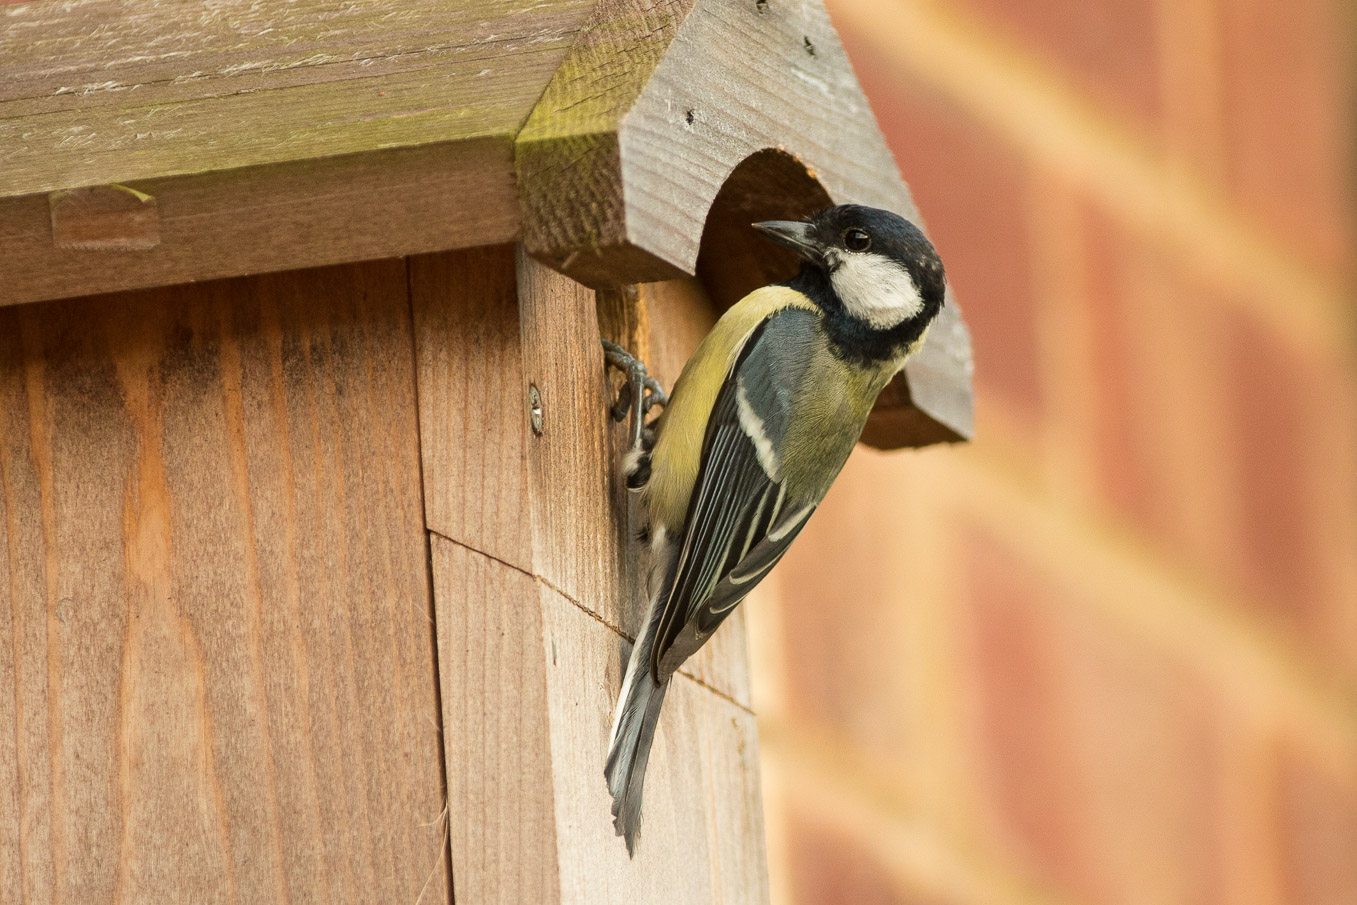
column 638, row 709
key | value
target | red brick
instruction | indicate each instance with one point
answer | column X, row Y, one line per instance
column 1317, row 821
column 971, row 188
column 1154, row 417
column 1288, row 120
column 1110, row 48
column 1122, row 435
column 829, row 867
column 840, row 586
column 1291, row 423
column 1101, row 753
column 1181, row 371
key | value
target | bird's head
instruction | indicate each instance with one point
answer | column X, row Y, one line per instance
column 881, row 267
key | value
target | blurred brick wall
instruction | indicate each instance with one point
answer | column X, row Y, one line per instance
column 1107, row 653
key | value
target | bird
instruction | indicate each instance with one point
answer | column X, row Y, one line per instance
column 758, row 425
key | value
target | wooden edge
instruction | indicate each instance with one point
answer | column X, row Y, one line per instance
column 657, row 104
column 497, row 734
column 702, row 837
column 337, row 210
column 657, row 172
column 567, row 153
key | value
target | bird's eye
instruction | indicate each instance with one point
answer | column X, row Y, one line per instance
column 856, row 239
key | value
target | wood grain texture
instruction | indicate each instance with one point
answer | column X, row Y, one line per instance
column 500, row 763
column 583, row 536
column 702, row 836
column 577, row 542
column 262, row 219
column 104, row 218
column 214, row 581
column 472, row 403
column 709, row 83
column 570, row 149
column 187, row 102
column 155, row 89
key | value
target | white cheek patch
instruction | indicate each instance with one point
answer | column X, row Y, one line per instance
column 876, row 290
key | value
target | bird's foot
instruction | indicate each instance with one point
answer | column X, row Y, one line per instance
column 638, row 395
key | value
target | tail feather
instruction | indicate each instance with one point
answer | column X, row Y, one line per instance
column 638, row 710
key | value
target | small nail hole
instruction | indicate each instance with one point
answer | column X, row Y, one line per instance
column 761, row 5
column 689, row 117
column 810, row 48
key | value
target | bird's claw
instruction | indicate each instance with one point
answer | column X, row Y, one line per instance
column 638, row 395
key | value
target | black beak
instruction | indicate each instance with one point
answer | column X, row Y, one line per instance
column 795, row 235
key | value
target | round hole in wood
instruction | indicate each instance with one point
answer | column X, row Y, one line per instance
column 733, row 258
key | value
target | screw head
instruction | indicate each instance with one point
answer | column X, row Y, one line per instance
column 535, row 408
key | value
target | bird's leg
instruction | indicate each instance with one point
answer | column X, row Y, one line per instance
column 638, row 395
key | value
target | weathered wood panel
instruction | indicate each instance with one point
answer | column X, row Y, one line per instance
column 263, row 219
column 582, row 535
column 152, row 89
column 702, row 835
column 499, row 756
column 215, row 588
column 659, row 101
column 526, row 777
column 272, row 137
column 577, row 537
column 473, row 410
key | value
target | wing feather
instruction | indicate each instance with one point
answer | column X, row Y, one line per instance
column 740, row 520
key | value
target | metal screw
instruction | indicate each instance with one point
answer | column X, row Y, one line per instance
column 535, row 408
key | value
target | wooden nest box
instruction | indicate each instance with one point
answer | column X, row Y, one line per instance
column 314, row 547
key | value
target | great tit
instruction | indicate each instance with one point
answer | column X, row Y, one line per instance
column 759, row 424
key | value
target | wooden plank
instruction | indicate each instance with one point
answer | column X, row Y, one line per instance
column 569, row 148
column 104, row 91
column 345, row 122
column 473, row 410
column 930, row 401
column 577, row 540
column 499, row 758
column 582, row 534
column 530, row 628
column 262, row 219
column 702, row 836
column 217, row 585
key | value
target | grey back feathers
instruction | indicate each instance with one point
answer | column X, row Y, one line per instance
column 741, row 497
column 740, row 521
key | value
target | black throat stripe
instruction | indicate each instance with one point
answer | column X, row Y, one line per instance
column 854, row 340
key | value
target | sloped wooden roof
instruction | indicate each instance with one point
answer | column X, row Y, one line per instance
column 145, row 142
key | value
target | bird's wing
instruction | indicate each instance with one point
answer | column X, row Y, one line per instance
column 740, row 517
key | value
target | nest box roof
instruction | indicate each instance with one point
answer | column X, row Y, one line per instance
column 145, row 143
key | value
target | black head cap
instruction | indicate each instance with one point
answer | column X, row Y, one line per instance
column 828, row 237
